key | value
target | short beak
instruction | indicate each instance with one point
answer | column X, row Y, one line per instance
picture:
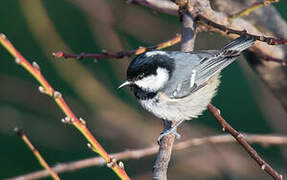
column 126, row 83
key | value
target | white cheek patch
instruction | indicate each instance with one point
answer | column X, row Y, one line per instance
column 154, row 82
column 152, row 53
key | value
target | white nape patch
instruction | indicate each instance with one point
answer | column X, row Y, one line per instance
column 152, row 53
column 155, row 81
column 192, row 78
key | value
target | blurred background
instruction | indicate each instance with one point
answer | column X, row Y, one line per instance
column 39, row 28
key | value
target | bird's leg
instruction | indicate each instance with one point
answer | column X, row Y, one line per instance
column 171, row 130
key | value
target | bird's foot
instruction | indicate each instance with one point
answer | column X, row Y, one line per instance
column 172, row 130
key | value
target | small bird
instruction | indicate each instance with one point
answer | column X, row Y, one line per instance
column 178, row 86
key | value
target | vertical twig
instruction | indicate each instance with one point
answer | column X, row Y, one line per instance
column 188, row 33
column 164, row 154
column 37, row 154
column 166, row 144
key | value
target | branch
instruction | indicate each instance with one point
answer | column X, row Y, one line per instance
column 71, row 118
column 120, row 54
column 223, row 29
column 140, row 153
column 188, row 33
column 166, row 144
column 239, row 137
column 206, row 10
column 265, row 57
column 164, row 154
column 37, row 154
column 169, row 43
column 253, row 7
column 268, row 40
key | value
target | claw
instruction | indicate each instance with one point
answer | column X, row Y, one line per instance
column 172, row 130
column 177, row 135
column 167, row 132
column 161, row 135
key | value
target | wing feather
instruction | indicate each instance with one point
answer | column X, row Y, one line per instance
column 205, row 65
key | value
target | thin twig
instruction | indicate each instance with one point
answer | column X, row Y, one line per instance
column 71, row 118
column 120, row 54
column 203, row 11
column 240, row 138
column 265, row 57
column 268, row 40
column 37, row 154
column 253, row 7
column 171, row 42
column 140, row 153
column 177, row 39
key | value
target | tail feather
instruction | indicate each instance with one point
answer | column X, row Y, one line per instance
column 210, row 66
column 239, row 44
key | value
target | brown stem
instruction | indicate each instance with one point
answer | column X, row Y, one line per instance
column 221, row 19
column 240, row 138
column 188, row 33
column 265, row 57
column 164, row 154
column 165, row 149
column 168, row 43
column 268, row 40
column 175, row 40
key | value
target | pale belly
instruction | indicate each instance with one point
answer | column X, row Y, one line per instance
column 185, row 108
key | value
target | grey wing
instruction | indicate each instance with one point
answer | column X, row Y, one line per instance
column 190, row 78
column 184, row 86
column 218, row 60
column 209, row 66
column 195, row 69
column 184, row 78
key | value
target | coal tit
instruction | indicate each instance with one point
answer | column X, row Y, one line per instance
column 178, row 86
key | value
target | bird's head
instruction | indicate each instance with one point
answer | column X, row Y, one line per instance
column 149, row 72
